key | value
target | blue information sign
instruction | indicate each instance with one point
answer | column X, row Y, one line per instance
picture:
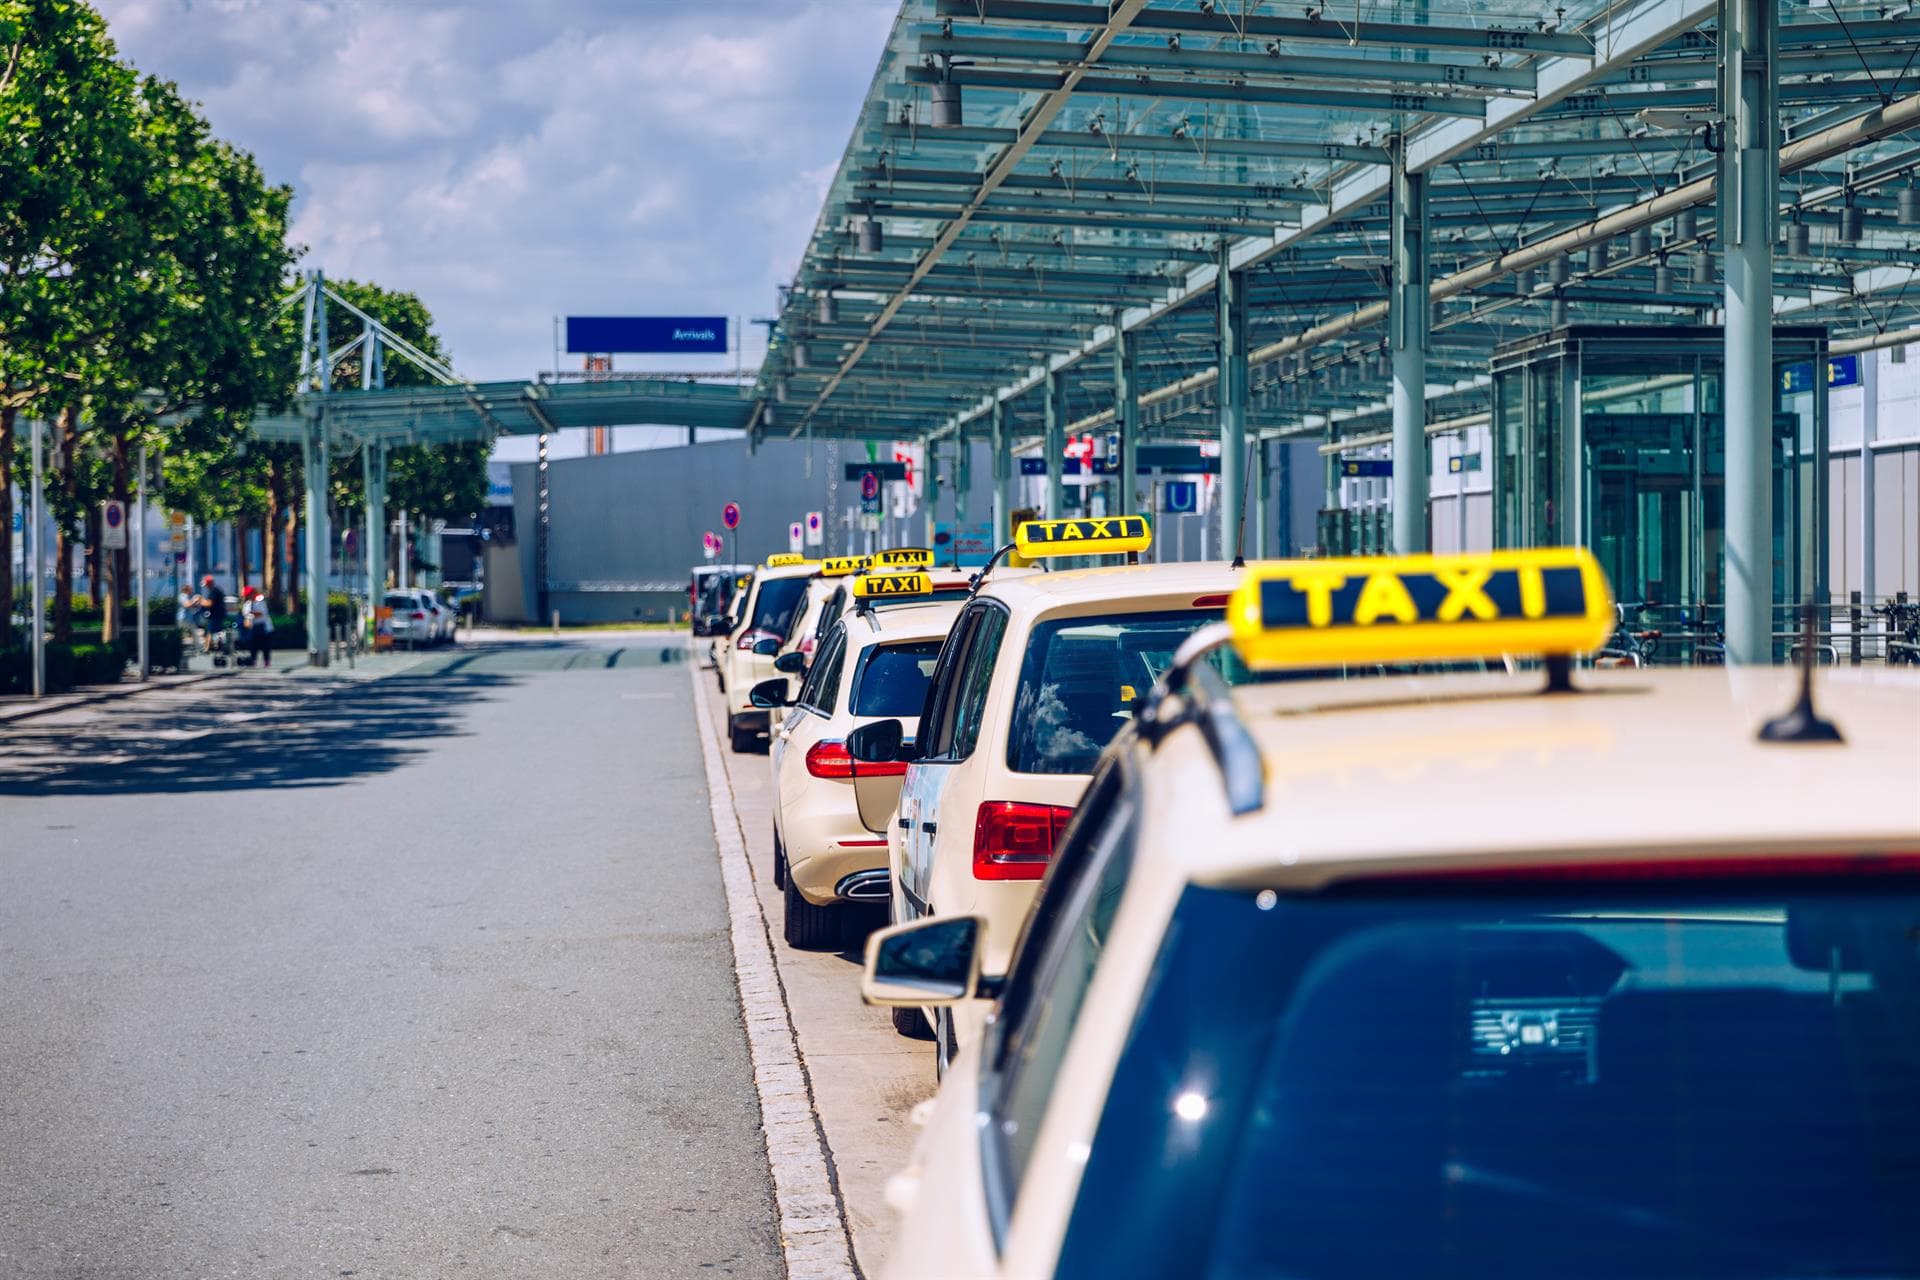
column 648, row 335
column 1842, row 371
column 1367, row 467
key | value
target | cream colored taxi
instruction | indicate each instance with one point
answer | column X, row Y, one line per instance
column 815, row 617
column 948, row 583
column 1448, row 975
column 744, row 656
column 875, row 664
column 1039, row 673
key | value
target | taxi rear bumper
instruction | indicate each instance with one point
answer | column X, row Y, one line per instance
column 825, row 876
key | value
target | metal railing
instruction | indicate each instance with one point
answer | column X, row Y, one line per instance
column 1850, row 631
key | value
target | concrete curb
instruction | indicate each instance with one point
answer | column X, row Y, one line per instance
column 813, row 1225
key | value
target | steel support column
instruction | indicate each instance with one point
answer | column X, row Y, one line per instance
column 1002, row 476
column 140, row 563
column 1407, row 329
column 1056, row 446
column 1258, row 546
column 1748, row 193
column 373, row 460
column 1231, row 494
column 39, row 527
column 962, row 488
column 313, row 455
column 932, row 503
column 1126, row 414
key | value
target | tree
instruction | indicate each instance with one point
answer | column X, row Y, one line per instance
column 65, row 144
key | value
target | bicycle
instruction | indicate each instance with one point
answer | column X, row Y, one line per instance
column 1629, row 647
column 1903, row 621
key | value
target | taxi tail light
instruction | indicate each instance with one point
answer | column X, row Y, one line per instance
column 1212, row 602
column 828, row 758
column 754, row 637
column 1015, row 841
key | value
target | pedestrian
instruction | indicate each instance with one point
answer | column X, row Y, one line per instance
column 259, row 627
column 214, row 601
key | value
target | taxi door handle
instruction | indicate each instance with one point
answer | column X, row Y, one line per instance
column 905, row 825
column 929, row 827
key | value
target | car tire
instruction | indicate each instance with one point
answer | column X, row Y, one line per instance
column 807, row 927
column 743, row 740
column 911, row 1023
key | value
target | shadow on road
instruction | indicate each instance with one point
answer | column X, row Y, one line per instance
column 244, row 735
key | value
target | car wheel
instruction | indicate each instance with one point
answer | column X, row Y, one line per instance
column 945, row 1045
column 743, row 740
column 911, row 1023
column 810, row 928
column 779, row 863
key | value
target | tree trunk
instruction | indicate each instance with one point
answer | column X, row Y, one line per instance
column 241, row 565
column 96, row 570
column 117, row 561
column 292, row 553
column 68, row 428
column 270, row 576
column 7, row 414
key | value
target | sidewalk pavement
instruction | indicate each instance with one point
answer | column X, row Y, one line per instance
column 367, row 666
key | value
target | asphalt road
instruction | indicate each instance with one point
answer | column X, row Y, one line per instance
column 413, row 976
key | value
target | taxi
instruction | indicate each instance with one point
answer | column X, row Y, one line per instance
column 874, row 664
column 1603, row 974
column 815, row 619
column 744, row 656
column 1039, row 673
column 948, row 583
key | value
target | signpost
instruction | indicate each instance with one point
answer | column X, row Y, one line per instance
column 1179, row 497
column 796, row 536
column 1369, row 468
column 816, row 528
column 730, row 517
column 113, row 528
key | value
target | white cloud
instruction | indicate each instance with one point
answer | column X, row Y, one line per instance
column 510, row 161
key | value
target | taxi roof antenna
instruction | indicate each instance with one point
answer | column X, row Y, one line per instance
column 1802, row 723
column 977, row 580
column 1559, row 673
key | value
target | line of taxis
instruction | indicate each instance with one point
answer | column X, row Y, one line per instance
column 1238, row 965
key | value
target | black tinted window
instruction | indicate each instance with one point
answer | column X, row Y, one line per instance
column 893, row 679
column 779, row 600
column 1703, row 1082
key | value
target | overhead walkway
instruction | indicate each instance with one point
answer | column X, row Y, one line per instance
column 376, row 419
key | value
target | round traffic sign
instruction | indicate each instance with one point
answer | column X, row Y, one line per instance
column 115, row 515
column 869, row 485
column 730, row 515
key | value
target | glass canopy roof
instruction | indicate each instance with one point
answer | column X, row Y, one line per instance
column 1026, row 175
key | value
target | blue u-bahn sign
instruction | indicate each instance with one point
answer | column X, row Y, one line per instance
column 647, row 335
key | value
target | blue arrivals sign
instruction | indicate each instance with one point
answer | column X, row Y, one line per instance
column 647, row 335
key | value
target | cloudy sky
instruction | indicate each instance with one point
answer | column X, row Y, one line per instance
column 513, row 160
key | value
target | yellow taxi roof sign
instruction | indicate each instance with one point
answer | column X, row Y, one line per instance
column 892, row 586
column 903, row 558
column 785, row 559
column 841, row 566
column 1099, row 536
column 1421, row 608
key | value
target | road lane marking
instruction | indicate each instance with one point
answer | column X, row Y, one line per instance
column 813, row 1225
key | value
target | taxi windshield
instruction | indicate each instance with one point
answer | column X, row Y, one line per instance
column 1699, row 1081
column 893, row 678
column 1082, row 677
column 779, row 600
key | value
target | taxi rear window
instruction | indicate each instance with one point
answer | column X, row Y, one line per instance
column 893, row 679
column 779, row 600
column 1709, row 1080
column 1080, row 679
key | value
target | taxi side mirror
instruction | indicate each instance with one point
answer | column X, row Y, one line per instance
column 766, row 648
column 769, row 694
column 877, row 743
column 715, row 624
column 925, row 962
column 792, row 663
